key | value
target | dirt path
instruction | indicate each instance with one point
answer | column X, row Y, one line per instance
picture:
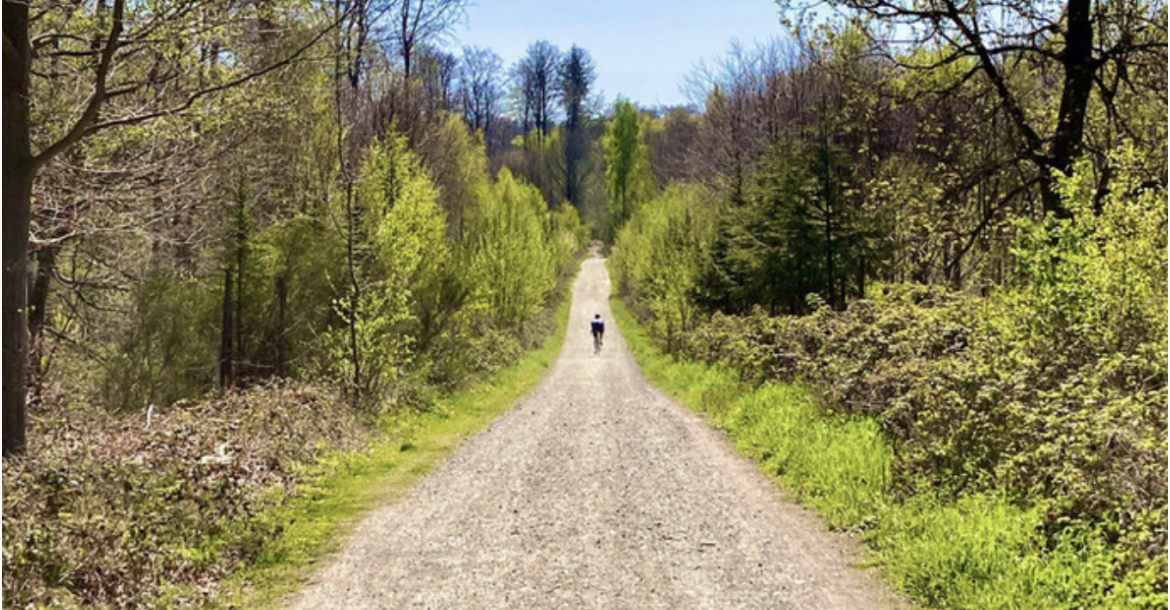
column 594, row 491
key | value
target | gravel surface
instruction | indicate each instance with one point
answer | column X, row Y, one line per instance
column 594, row 491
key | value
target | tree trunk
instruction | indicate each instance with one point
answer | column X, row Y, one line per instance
column 1078, row 85
column 17, row 204
column 238, row 322
column 281, row 324
column 38, row 300
column 827, row 193
column 19, row 172
column 226, row 351
column 571, row 169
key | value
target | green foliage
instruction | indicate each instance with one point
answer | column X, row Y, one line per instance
column 403, row 239
column 366, row 354
column 512, row 256
column 400, row 217
column 974, row 551
column 479, row 305
column 1097, row 280
column 627, row 164
column 657, row 258
column 302, row 265
column 1036, row 413
column 789, row 234
column 567, row 235
column 166, row 352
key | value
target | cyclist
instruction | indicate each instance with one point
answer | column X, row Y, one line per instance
column 597, row 327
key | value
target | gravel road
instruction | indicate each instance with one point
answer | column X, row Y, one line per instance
column 594, row 491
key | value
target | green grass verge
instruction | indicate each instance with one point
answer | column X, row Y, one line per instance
column 315, row 523
column 981, row 552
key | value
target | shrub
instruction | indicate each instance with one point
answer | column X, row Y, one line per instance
column 1049, row 393
column 105, row 512
column 167, row 351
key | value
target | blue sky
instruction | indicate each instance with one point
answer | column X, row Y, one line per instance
column 643, row 49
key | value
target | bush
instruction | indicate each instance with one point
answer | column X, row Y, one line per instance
column 968, row 411
column 1049, row 393
column 167, row 351
column 105, row 512
column 971, row 551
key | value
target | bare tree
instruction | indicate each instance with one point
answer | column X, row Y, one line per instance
column 535, row 76
column 415, row 23
column 747, row 107
column 670, row 148
column 480, row 88
column 436, row 70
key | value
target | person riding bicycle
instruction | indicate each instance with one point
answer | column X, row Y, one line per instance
column 597, row 327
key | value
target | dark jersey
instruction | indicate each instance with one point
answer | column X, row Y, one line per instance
column 597, row 327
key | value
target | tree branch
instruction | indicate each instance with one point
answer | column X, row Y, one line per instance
column 82, row 126
column 194, row 97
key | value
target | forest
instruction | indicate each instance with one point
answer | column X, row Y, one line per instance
column 243, row 235
column 947, row 221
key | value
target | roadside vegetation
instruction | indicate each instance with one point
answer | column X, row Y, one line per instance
column 923, row 281
column 227, row 499
column 976, row 546
column 1001, row 448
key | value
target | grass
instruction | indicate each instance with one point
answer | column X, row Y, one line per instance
column 316, row 523
column 980, row 552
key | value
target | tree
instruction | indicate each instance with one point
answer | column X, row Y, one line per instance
column 480, row 90
column 535, row 77
column 1093, row 50
column 399, row 233
column 576, row 76
column 511, row 251
column 436, row 71
column 751, row 97
column 415, row 23
column 627, row 171
column 97, row 54
column 671, row 141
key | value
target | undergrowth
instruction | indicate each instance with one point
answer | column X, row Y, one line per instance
column 983, row 550
column 110, row 511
